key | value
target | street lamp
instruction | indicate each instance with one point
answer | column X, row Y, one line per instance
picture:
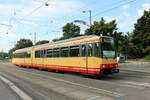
column 90, row 15
column 34, row 37
column 46, row 4
column 81, row 22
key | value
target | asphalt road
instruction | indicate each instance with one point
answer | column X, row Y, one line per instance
column 46, row 85
column 6, row 93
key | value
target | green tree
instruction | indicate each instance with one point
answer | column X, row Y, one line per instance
column 58, row 39
column 10, row 52
column 70, row 30
column 124, row 44
column 41, row 42
column 126, row 47
column 23, row 43
column 141, row 34
column 118, row 36
column 3, row 55
column 102, row 27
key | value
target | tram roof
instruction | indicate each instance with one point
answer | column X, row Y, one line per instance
column 74, row 39
column 58, row 42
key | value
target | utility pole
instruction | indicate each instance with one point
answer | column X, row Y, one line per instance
column 90, row 12
column 33, row 35
column 34, row 38
column 90, row 16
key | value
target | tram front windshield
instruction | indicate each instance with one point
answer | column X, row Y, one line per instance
column 108, row 47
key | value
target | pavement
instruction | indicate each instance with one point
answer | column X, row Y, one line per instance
column 138, row 66
column 6, row 93
column 46, row 85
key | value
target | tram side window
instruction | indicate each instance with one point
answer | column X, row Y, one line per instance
column 64, row 52
column 56, row 52
column 45, row 53
column 19, row 55
column 90, row 49
column 96, row 49
column 83, row 50
column 37, row 54
column 49, row 53
column 27, row 55
column 42, row 52
column 74, row 51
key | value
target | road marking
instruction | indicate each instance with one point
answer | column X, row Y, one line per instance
column 18, row 91
column 124, row 84
column 99, row 98
column 132, row 86
column 46, row 98
column 92, row 98
column 138, row 83
column 114, row 94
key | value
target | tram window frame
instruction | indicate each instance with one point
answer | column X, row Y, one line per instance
column 83, row 53
column 49, row 54
column 72, row 49
column 56, row 52
column 19, row 55
column 42, row 53
column 62, row 52
column 27, row 55
column 38, row 54
column 90, row 51
column 97, row 53
column 45, row 53
column 22, row 55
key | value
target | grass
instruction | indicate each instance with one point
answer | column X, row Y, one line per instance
column 147, row 58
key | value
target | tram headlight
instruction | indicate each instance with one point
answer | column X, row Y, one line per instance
column 103, row 66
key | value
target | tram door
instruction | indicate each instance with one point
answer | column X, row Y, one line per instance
column 44, row 58
column 83, row 52
column 38, row 58
column 43, row 53
column 32, row 57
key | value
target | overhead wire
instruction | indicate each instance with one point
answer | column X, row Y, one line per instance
column 48, row 1
column 110, row 9
column 6, row 25
column 118, row 5
column 123, row 2
column 77, row 10
column 30, row 13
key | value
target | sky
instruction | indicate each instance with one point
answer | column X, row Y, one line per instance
column 22, row 18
